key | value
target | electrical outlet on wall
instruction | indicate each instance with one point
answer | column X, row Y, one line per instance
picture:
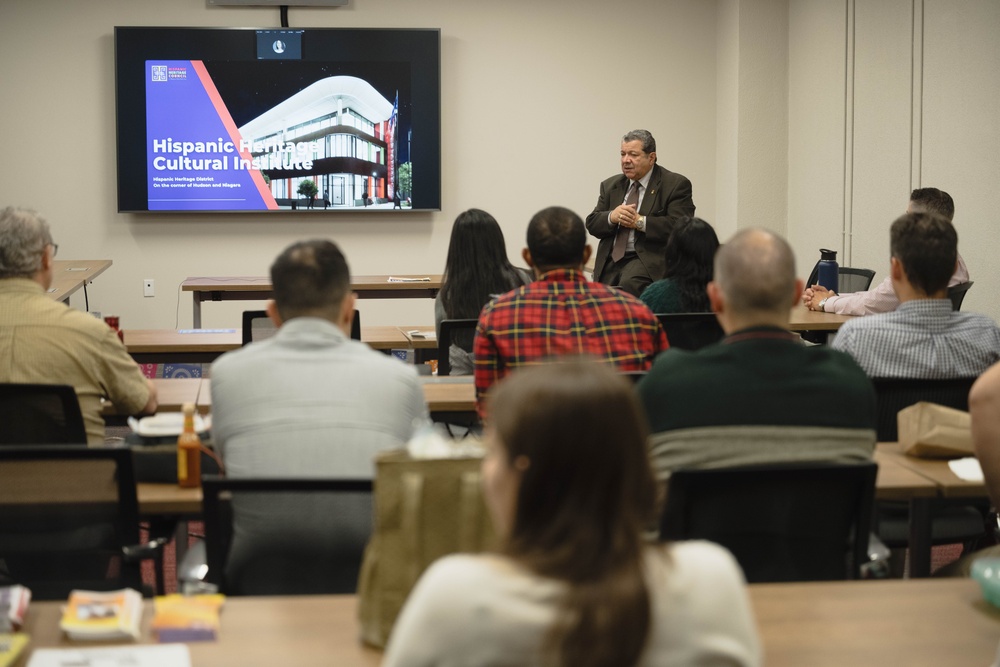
column 147, row 287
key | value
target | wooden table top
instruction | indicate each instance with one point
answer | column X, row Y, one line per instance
column 69, row 275
column 371, row 283
column 949, row 484
column 171, row 341
column 913, row 622
column 897, row 482
column 803, row 319
column 316, row 630
column 917, row 623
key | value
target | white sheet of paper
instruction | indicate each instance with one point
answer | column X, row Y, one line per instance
column 155, row 655
column 967, row 469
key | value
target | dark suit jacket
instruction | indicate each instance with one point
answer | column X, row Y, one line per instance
column 667, row 198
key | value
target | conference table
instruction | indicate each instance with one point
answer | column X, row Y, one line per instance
column 194, row 346
column 255, row 288
column 69, row 275
column 946, row 485
column 921, row 623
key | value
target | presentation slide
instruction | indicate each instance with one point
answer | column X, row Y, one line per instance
column 197, row 159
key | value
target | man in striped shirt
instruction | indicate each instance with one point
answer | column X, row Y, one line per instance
column 882, row 299
column 923, row 338
column 562, row 313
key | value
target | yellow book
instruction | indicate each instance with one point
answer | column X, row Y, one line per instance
column 187, row 618
column 100, row 615
column 11, row 645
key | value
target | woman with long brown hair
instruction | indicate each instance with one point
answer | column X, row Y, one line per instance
column 568, row 482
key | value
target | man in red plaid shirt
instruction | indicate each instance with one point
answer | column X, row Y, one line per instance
column 562, row 313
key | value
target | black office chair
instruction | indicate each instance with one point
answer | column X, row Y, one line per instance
column 848, row 279
column 69, row 519
column 316, row 532
column 781, row 522
column 691, row 331
column 854, row 280
column 454, row 332
column 957, row 294
column 258, row 326
column 46, row 414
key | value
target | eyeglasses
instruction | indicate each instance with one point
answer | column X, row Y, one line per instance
column 55, row 249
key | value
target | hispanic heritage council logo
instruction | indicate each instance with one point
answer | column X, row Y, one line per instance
column 159, row 72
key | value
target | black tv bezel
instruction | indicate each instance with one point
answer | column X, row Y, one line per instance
column 134, row 45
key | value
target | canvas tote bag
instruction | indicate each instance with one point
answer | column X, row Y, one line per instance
column 424, row 509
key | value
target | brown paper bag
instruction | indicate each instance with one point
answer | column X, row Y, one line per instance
column 929, row 430
column 424, row 509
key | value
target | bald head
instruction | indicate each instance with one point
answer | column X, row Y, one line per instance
column 755, row 272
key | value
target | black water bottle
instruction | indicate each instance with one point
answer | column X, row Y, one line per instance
column 828, row 272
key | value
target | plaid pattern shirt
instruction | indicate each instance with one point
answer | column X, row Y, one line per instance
column 562, row 313
column 923, row 339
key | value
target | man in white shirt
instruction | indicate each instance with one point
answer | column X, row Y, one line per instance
column 882, row 299
column 307, row 402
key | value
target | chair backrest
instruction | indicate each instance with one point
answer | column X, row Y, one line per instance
column 849, row 279
column 894, row 394
column 258, row 326
column 854, row 280
column 457, row 332
column 66, row 512
column 691, row 331
column 957, row 294
column 807, row 522
column 42, row 414
column 291, row 537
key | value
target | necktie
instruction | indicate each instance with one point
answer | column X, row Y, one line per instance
column 621, row 239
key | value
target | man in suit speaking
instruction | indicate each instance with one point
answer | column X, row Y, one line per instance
column 635, row 214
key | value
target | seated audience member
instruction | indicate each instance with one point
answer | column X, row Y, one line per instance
column 476, row 270
column 42, row 341
column 923, row 338
column 574, row 583
column 307, row 402
column 883, row 299
column 562, row 312
column 689, row 255
column 760, row 395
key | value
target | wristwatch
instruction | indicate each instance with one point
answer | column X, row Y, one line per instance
column 640, row 224
column 820, row 305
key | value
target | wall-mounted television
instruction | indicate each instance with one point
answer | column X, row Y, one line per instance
column 308, row 120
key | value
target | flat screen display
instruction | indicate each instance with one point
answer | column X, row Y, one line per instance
column 310, row 120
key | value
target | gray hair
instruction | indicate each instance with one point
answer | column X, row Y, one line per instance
column 755, row 270
column 23, row 237
column 648, row 142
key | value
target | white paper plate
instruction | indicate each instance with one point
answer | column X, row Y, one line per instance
column 167, row 423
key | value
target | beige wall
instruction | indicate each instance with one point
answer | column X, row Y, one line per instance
column 812, row 117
